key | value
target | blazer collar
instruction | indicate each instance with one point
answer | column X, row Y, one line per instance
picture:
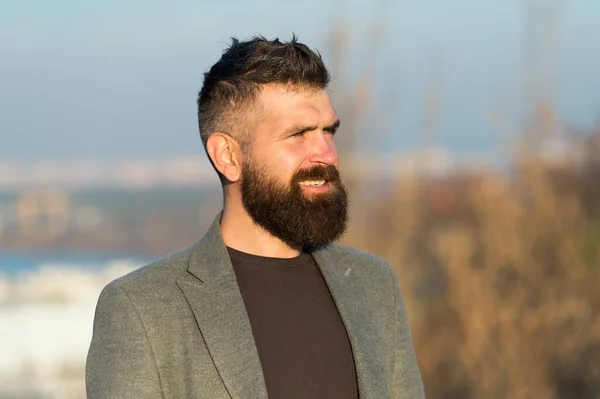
column 217, row 304
column 348, row 292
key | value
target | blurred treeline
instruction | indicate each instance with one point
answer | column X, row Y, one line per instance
column 500, row 269
column 500, row 275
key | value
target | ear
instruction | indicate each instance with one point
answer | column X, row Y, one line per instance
column 225, row 154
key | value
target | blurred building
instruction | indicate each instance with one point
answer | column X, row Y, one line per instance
column 43, row 213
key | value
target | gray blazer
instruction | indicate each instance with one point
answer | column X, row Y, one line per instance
column 178, row 328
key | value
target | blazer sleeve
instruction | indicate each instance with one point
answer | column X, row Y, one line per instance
column 406, row 378
column 120, row 361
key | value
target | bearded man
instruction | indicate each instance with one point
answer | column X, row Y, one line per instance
column 265, row 304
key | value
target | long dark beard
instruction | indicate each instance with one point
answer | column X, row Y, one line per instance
column 287, row 213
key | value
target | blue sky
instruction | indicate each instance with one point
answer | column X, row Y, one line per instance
column 118, row 79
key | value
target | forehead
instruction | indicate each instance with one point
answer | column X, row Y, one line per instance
column 283, row 105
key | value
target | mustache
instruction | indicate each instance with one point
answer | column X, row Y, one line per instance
column 328, row 173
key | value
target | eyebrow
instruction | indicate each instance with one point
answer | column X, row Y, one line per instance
column 304, row 128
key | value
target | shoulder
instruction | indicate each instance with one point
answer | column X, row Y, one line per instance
column 370, row 267
column 161, row 273
column 357, row 257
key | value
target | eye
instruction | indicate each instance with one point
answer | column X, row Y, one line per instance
column 332, row 131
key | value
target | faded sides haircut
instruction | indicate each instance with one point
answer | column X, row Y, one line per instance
column 232, row 85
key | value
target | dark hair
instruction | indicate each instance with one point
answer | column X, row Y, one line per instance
column 232, row 84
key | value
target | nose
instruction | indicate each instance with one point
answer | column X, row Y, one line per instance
column 323, row 149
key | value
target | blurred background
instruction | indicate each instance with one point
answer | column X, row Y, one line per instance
column 470, row 144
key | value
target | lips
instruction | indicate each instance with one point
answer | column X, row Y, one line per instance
column 317, row 176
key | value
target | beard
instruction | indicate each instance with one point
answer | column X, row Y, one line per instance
column 288, row 214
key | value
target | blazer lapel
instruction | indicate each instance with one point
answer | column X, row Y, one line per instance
column 213, row 294
column 355, row 316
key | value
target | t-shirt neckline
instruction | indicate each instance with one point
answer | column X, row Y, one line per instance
column 269, row 261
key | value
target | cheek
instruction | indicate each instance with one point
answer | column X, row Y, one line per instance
column 285, row 162
column 272, row 169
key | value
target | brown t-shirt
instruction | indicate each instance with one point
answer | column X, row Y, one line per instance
column 301, row 340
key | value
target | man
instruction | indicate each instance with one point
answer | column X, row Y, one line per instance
column 265, row 304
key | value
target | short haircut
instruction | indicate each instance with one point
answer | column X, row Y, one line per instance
column 231, row 85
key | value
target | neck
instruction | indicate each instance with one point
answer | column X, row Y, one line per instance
column 241, row 233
